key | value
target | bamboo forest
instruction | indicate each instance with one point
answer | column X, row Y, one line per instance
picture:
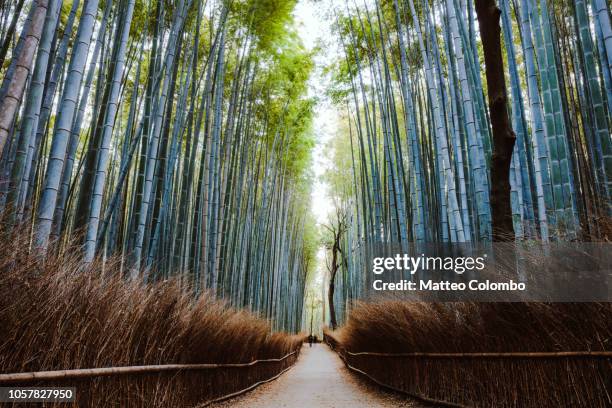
column 418, row 135
column 244, row 154
column 176, row 137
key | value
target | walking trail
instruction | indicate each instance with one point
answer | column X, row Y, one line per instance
column 319, row 380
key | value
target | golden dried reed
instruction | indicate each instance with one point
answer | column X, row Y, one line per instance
column 56, row 314
column 405, row 327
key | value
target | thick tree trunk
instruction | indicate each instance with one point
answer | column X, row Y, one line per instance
column 503, row 135
column 330, row 293
column 330, row 297
column 11, row 101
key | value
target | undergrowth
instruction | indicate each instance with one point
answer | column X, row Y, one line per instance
column 406, row 327
column 56, row 314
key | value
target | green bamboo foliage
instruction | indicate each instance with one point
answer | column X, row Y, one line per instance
column 180, row 143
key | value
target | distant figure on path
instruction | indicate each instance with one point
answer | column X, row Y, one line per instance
column 310, row 339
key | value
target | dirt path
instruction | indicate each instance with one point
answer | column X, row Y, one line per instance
column 318, row 380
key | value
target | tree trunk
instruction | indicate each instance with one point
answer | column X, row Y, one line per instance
column 332, row 311
column 332, row 277
column 503, row 136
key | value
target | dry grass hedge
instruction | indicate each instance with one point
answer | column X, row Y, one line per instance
column 403, row 327
column 55, row 314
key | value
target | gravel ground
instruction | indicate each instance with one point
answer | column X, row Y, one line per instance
column 319, row 380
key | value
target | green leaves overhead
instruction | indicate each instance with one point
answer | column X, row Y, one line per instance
column 268, row 20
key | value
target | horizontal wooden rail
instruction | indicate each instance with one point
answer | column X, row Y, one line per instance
column 417, row 396
column 244, row 391
column 112, row 371
column 400, row 391
column 559, row 354
column 526, row 354
column 345, row 354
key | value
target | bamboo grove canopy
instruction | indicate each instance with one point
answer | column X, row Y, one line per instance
column 416, row 133
column 174, row 135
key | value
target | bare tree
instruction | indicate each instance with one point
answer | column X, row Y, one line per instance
column 337, row 228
